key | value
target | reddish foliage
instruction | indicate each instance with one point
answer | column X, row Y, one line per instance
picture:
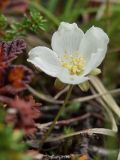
column 16, row 76
column 10, row 50
column 22, row 113
column 12, row 77
column 18, row 6
column 13, row 5
column 4, row 4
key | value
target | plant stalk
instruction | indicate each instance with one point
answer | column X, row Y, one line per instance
column 57, row 117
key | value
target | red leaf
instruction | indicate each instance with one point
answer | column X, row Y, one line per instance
column 10, row 50
column 22, row 113
column 13, row 79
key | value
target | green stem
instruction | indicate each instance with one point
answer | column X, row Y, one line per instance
column 107, row 11
column 52, row 5
column 68, row 9
column 57, row 117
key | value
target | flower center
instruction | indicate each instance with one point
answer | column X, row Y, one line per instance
column 74, row 64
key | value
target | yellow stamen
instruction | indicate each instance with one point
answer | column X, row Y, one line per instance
column 74, row 64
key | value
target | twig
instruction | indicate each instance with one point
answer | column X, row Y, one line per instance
column 87, row 98
column 59, row 157
column 89, row 132
column 48, row 157
column 82, row 99
column 100, row 151
column 108, row 99
column 64, row 122
column 61, row 92
column 42, row 96
column 68, row 121
column 110, row 115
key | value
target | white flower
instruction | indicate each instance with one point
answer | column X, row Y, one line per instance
column 74, row 53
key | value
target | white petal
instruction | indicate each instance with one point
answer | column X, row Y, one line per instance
column 94, row 61
column 44, row 59
column 67, row 39
column 65, row 77
column 94, row 39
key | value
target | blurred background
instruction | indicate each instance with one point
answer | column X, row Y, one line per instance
column 35, row 21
